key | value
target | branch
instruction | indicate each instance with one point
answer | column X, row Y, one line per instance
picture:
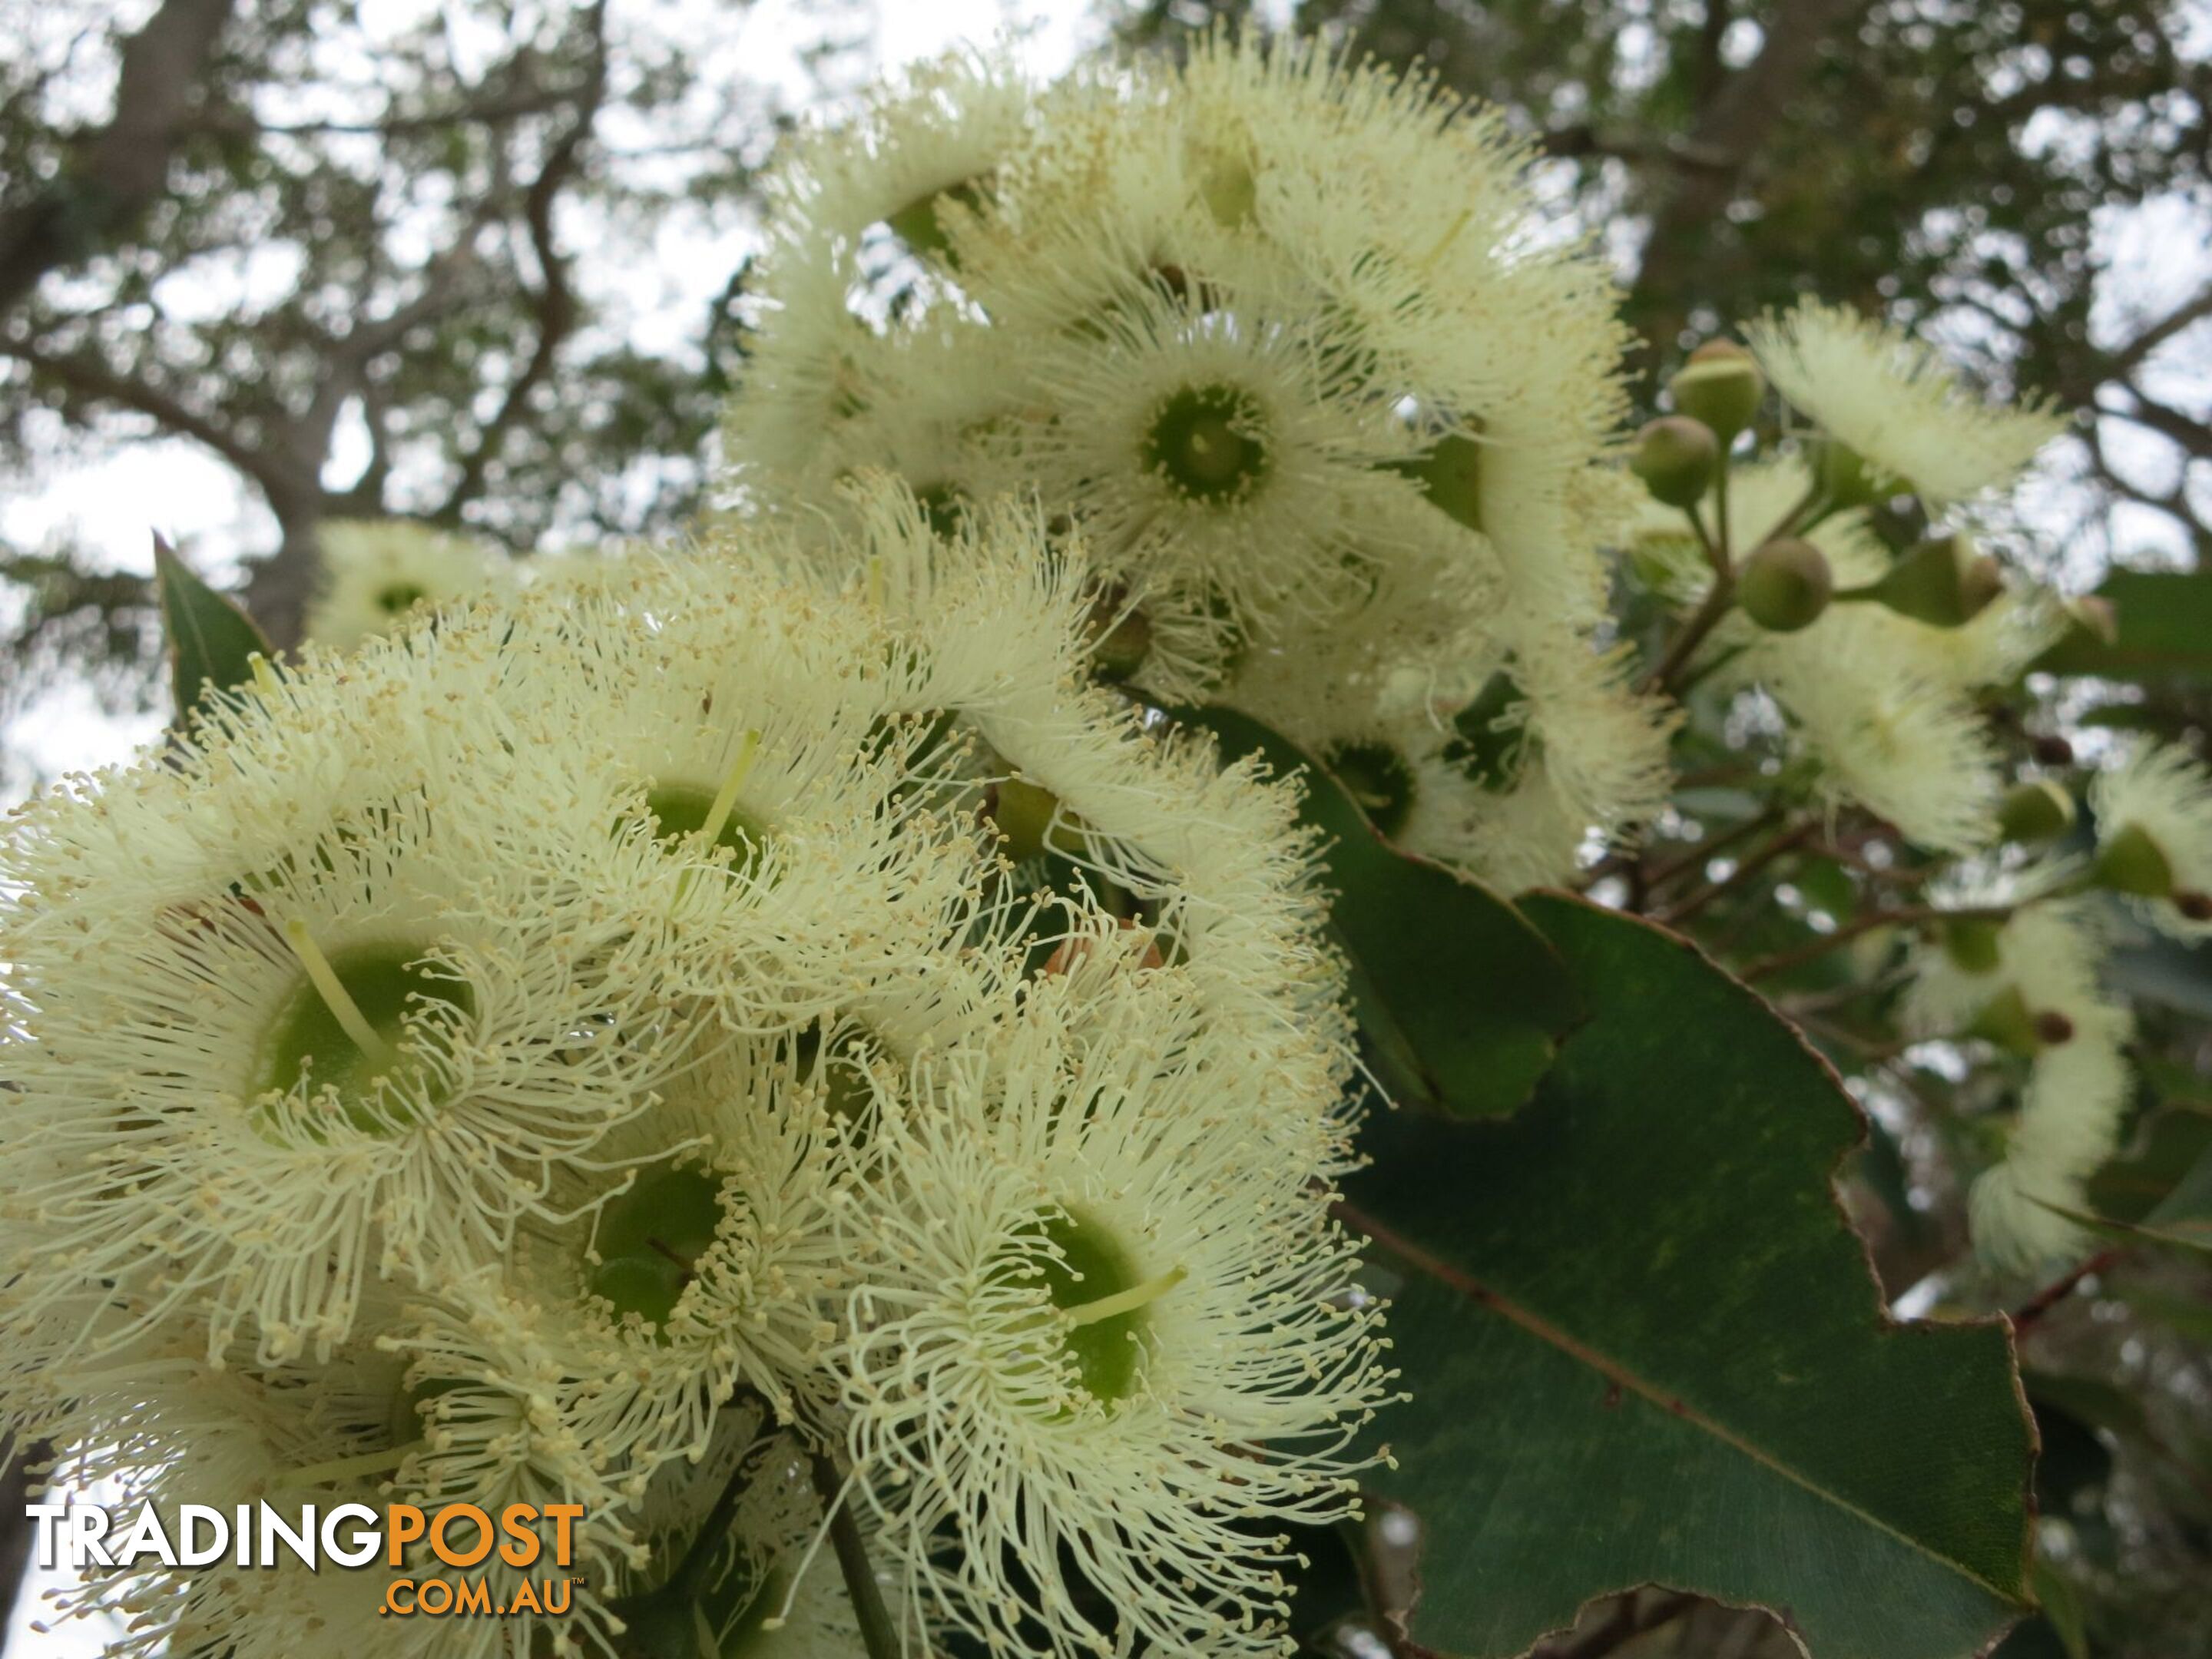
column 2131, row 354
column 1782, row 844
column 2051, row 1295
column 347, row 358
column 2191, row 434
column 1735, row 122
column 89, row 377
column 122, row 170
column 878, row 1635
column 554, row 302
column 491, row 112
column 1908, row 916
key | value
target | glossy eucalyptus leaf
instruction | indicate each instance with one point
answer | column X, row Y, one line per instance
column 210, row 641
column 1644, row 1345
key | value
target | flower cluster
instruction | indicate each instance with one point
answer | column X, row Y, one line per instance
column 716, row 1045
column 1280, row 337
column 1873, row 662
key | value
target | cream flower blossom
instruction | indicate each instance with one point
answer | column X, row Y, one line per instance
column 311, row 1035
column 1884, row 732
column 1897, row 402
column 2163, row 794
column 382, row 576
column 1108, row 1333
column 355, row 1428
column 1212, row 317
column 1214, row 861
column 2032, row 981
column 2066, row 1127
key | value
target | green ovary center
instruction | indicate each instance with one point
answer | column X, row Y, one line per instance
column 650, row 1238
column 680, row 810
column 309, row 1040
column 400, row 598
column 1091, row 1269
column 1202, row 440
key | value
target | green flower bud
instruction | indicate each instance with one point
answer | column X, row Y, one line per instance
column 1942, row 582
column 1971, row 942
column 1721, row 385
column 1843, row 476
column 2035, row 811
column 2130, row 861
column 2009, row 1023
column 1785, row 585
column 1676, row 457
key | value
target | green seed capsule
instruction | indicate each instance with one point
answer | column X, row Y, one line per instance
column 1677, row 458
column 1721, row 385
column 1785, row 586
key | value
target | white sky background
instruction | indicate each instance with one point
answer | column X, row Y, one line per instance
column 2156, row 257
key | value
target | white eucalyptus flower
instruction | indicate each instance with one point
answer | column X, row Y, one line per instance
column 1897, row 403
column 382, row 576
column 2153, row 813
column 1113, row 1336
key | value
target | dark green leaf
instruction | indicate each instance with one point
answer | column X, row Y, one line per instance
column 2165, row 627
column 2062, row 1609
column 1645, row 1347
column 2167, row 972
column 2129, row 1187
column 1461, row 1002
column 210, row 641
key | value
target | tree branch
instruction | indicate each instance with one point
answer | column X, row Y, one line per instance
column 878, row 1635
column 554, row 303
column 89, row 377
column 121, row 170
column 1735, row 122
column 497, row 111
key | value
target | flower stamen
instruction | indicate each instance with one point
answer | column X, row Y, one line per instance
column 336, row 997
column 726, row 798
column 1123, row 1302
column 342, row 1469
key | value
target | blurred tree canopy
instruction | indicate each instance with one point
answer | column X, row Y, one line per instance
column 374, row 268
